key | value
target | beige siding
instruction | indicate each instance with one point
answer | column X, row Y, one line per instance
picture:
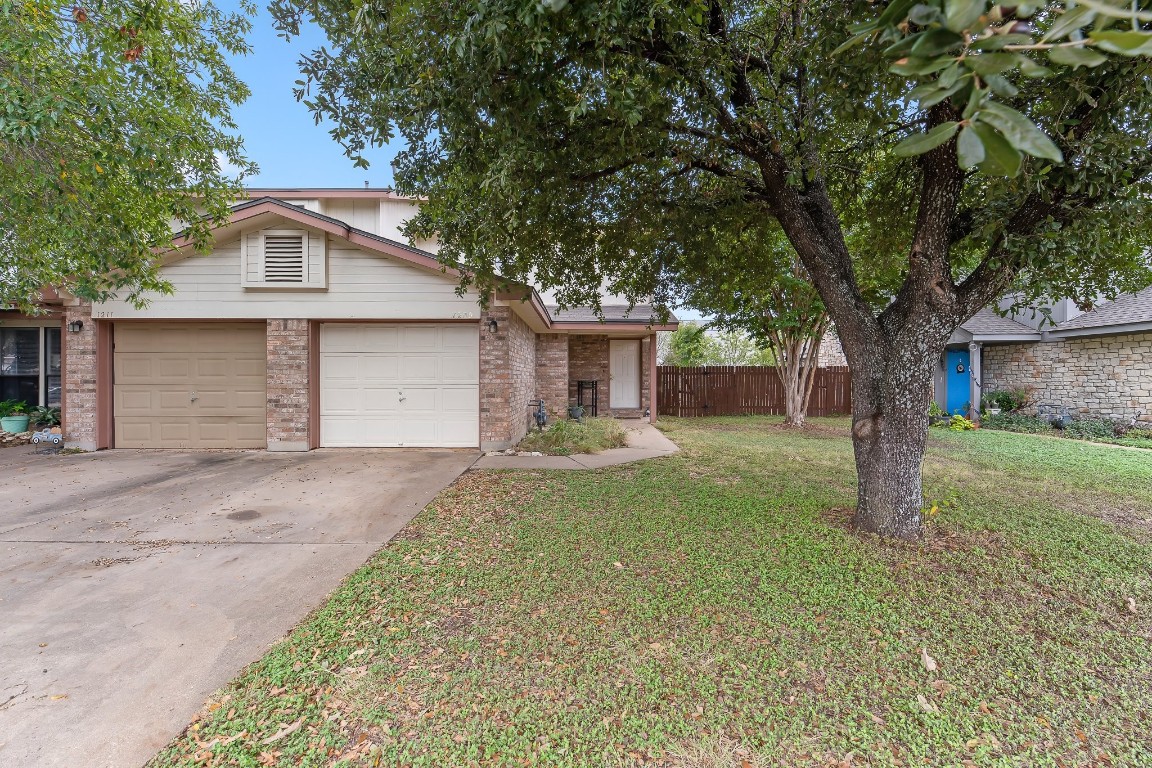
column 361, row 285
column 360, row 213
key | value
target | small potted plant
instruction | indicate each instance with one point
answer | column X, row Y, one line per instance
column 991, row 404
column 14, row 416
column 576, row 412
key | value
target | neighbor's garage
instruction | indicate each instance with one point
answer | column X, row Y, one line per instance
column 183, row 385
column 399, row 385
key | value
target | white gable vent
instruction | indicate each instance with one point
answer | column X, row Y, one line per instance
column 284, row 259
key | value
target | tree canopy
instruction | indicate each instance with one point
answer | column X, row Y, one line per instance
column 966, row 148
column 115, row 121
column 692, row 344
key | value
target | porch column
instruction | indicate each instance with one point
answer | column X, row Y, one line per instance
column 86, row 376
column 653, row 391
column 975, row 379
column 552, row 373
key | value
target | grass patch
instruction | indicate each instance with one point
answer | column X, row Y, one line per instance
column 566, row 437
column 713, row 609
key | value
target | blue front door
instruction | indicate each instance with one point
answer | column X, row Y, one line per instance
column 959, row 394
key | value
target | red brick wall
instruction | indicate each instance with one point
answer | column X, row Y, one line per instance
column 507, row 378
column 552, row 373
column 79, row 377
column 289, row 404
column 588, row 360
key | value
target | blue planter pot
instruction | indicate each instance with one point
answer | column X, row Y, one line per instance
column 14, row 424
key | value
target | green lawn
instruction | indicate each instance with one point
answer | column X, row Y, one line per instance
column 712, row 609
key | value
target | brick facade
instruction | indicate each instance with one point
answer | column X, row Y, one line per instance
column 516, row 366
column 289, row 405
column 80, row 402
column 1103, row 377
column 552, row 373
column 588, row 360
column 507, row 378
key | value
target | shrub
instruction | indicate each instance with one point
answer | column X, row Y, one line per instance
column 46, row 417
column 567, row 437
column 960, row 424
column 1009, row 399
column 1090, row 429
column 1017, row 422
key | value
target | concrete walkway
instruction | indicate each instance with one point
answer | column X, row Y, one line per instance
column 644, row 442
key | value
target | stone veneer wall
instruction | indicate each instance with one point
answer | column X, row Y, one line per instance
column 588, row 360
column 507, row 378
column 552, row 373
column 1108, row 377
column 831, row 354
column 79, row 415
column 289, row 404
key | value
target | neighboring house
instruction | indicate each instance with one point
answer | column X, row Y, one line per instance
column 312, row 324
column 1096, row 364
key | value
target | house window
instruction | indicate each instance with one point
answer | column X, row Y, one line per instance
column 30, row 365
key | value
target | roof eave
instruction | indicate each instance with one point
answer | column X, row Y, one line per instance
column 1118, row 329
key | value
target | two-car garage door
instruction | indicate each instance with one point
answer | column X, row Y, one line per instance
column 188, row 385
column 399, row 385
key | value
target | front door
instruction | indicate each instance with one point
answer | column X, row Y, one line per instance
column 959, row 381
column 624, row 369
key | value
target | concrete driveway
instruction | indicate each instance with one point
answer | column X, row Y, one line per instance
column 135, row 583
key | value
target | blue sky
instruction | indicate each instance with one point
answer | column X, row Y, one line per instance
column 279, row 132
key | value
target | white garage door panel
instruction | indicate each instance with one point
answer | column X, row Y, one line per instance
column 396, row 385
column 157, row 367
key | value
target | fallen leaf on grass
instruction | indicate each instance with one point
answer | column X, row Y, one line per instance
column 928, row 662
column 284, row 731
column 926, row 705
column 1131, row 601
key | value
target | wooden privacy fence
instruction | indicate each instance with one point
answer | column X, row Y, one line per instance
column 745, row 390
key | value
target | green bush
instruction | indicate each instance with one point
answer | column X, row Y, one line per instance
column 46, row 417
column 567, row 437
column 1091, row 429
column 1017, row 422
column 960, row 424
column 1007, row 400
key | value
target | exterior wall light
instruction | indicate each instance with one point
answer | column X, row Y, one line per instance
column 493, row 326
column 75, row 326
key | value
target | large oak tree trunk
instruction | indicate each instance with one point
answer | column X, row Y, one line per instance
column 891, row 392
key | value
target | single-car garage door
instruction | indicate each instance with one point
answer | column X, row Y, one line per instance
column 399, row 385
column 190, row 386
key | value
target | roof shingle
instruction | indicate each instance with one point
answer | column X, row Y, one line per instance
column 1124, row 310
column 641, row 314
column 988, row 323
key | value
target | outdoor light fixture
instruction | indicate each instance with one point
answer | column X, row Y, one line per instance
column 75, row 326
column 493, row 326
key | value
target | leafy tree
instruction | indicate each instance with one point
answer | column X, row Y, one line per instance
column 114, row 121
column 691, row 344
column 688, row 345
column 601, row 144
